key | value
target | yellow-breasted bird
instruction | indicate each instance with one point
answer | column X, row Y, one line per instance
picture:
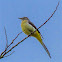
column 28, row 27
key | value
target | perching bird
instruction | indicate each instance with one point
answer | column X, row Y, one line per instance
column 28, row 27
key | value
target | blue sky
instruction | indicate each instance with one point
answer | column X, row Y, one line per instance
column 38, row 11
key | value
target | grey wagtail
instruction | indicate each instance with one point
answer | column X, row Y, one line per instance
column 28, row 27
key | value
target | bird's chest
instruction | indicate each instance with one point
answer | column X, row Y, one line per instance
column 27, row 28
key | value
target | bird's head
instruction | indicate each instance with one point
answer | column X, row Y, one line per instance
column 24, row 18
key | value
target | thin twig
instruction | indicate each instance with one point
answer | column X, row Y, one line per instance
column 6, row 43
column 6, row 38
column 9, row 54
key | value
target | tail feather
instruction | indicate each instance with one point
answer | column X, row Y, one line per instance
column 40, row 40
column 46, row 49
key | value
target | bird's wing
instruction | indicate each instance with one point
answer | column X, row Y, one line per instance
column 33, row 25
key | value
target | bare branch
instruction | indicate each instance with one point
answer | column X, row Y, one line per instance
column 18, row 44
column 14, row 39
column 11, row 43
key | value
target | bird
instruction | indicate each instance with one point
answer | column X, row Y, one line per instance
column 28, row 27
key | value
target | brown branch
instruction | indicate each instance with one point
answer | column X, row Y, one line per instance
column 4, row 52
column 14, row 39
column 11, row 43
column 17, row 44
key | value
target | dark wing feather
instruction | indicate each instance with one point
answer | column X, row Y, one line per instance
column 33, row 25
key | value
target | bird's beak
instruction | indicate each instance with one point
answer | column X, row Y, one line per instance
column 19, row 18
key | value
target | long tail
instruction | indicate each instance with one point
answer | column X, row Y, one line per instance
column 46, row 49
column 38, row 37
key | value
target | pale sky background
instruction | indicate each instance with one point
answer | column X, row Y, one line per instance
column 38, row 11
